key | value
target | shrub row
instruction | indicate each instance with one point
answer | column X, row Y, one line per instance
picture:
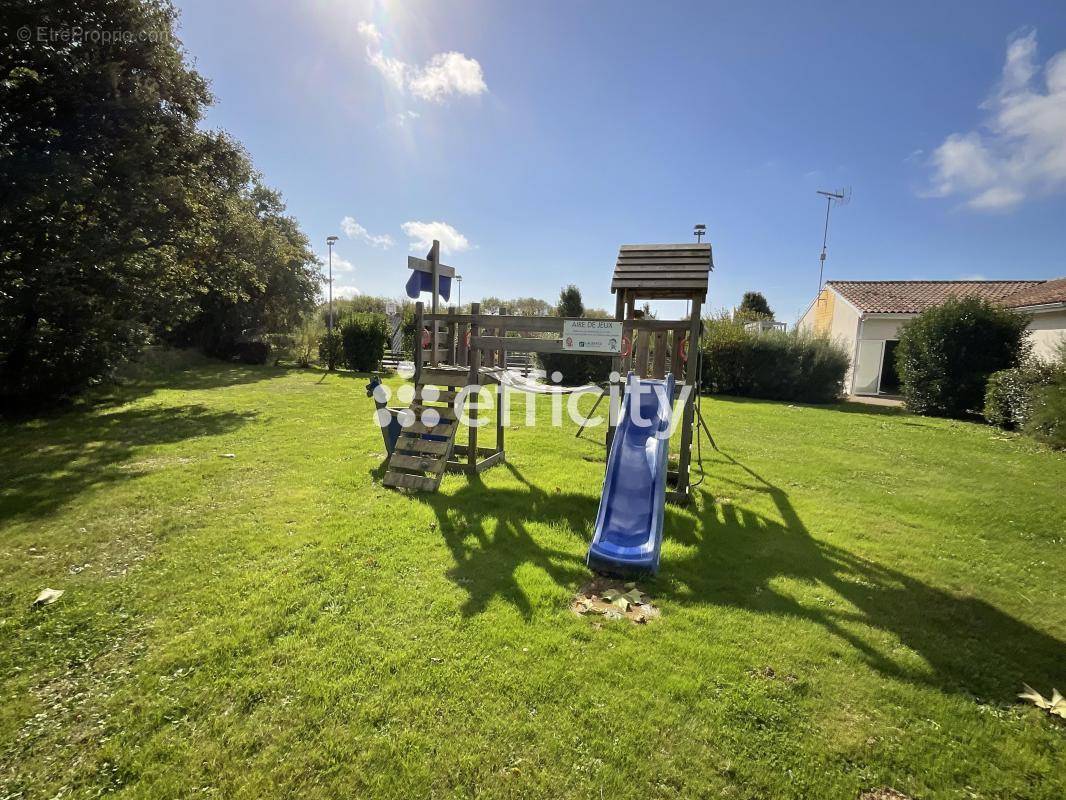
column 773, row 365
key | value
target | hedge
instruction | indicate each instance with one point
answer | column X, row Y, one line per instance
column 773, row 365
column 577, row 369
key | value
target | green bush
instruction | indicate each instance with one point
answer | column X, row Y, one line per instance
column 577, row 369
column 1047, row 420
column 947, row 353
column 363, row 338
column 330, row 349
column 1009, row 394
column 252, row 352
column 773, row 365
column 306, row 341
column 282, row 346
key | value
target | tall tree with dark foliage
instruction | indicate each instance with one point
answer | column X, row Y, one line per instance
column 108, row 197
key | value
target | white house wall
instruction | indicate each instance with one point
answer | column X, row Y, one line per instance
column 882, row 328
column 1049, row 329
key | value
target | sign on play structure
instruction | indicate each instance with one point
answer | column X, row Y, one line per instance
column 592, row 335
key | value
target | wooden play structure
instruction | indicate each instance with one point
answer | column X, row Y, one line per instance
column 459, row 350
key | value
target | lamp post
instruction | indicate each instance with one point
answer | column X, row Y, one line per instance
column 459, row 284
column 330, row 241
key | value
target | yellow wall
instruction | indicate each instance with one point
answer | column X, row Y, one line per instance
column 823, row 311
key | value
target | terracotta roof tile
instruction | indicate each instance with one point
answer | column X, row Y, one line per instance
column 912, row 297
column 1053, row 291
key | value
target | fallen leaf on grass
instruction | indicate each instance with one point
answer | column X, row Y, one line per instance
column 1056, row 705
column 606, row 597
column 47, row 597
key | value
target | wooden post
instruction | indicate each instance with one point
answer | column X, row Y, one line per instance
column 640, row 354
column 685, row 456
column 658, row 369
column 419, row 327
column 474, row 379
column 460, row 339
column 618, row 365
column 453, row 346
column 627, row 363
column 501, row 332
column 434, row 260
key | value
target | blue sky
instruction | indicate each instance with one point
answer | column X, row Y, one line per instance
column 544, row 135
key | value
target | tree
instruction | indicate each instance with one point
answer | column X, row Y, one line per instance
column 121, row 218
column 947, row 353
column 570, row 304
column 530, row 307
column 753, row 306
column 97, row 150
column 257, row 273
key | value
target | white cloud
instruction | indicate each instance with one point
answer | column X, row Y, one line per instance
column 403, row 117
column 370, row 32
column 422, row 235
column 1021, row 149
column 345, row 291
column 997, row 198
column 353, row 230
column 445, row 74
column 340, row 265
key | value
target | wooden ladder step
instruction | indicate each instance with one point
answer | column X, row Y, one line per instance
column 415, row 444
column 437, row 377
column 445, row 413
column 435, row 395
column 444, row 428
column 401, row 480
column 425, row 463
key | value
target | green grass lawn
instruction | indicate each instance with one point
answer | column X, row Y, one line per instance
column 853, row 601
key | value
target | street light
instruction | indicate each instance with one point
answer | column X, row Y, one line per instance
column 459, row 283
column 330, row 241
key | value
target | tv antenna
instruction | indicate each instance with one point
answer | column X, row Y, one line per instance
column 699, row 231
column 841, row 198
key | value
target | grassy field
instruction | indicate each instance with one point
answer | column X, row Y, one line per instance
column 852, row 602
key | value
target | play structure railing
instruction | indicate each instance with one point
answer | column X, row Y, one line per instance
column 651, row 347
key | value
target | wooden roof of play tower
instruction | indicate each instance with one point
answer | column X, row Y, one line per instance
column 663, row 271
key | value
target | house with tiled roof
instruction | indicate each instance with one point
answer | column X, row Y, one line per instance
column 866, row 317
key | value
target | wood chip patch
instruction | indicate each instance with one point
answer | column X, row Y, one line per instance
column 884, row 793
column 614, row 599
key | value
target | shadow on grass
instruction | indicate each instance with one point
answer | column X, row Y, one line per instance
column 487, row 531
column 955, row 643
column 47, row 463
column 843, row 406
column 966, row 644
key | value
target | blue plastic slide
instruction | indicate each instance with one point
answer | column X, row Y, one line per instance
column 629, row 525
